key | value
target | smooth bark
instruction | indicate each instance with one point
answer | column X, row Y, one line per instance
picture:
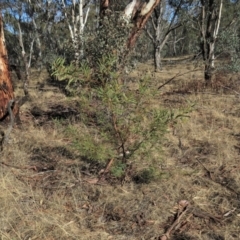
column 209, row 25
column 76, row 22
column 162, row 30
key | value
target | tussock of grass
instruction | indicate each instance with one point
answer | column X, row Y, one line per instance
column 45, row 189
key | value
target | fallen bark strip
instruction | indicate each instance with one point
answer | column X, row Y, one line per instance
column 106, row 170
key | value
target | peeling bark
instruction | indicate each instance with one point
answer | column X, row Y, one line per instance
column 6, row 87
column 136, row 10
column 104, row 5
column 140, row 19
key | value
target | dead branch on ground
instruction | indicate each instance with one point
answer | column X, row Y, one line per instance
column 174, row 77
column 185, row 209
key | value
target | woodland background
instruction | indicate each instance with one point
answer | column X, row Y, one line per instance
column 126, row 123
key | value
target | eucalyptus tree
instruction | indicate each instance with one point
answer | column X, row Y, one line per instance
column 209, row 25
column 23, row 36
column 6, row 87
column 133, row 18
column 136, row 12
column 218, row 21
column 228, row 44
column 76, row 15
column 164, row 21
column 25, row 23
column 206, row 18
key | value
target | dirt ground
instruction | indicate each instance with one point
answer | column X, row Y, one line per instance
column 49, row 192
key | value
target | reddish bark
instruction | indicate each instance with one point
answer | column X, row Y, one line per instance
column 140, row 14
column 6, row 87
column 104, row 5
column 140, row 19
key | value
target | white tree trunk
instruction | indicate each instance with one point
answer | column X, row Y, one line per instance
column 76, row 27
column 27, row 63
column 209, row 27
column 39, row 45
column 162, row 31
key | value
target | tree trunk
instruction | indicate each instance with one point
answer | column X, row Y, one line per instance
column 76, row 23
column 208, row 70
column 25, row 60
column 157, row 59
column 137, row 11
column 209, row 63
column 210, row 23
column 6, row 87
column 141, row 17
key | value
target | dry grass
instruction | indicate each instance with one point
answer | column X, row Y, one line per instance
column 46, row 190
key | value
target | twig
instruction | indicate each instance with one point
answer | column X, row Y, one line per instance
column 238, row 93
column 197, row 212
column 178, row 75
column 106, row 170
column 18, row 167
column 41, row 88
column 209, row 176
column 183, row 206
column 207, row 171
column 108, row 166
column 119, row 135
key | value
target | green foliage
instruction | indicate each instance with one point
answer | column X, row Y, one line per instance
column 181, row 114
column 105, row 69
column 109, row 42
column 105, row 55
column 128, row 118
column 118, row 169
column 74, row 76
column 125, row 123
column 228, row 45
column 90, row 145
